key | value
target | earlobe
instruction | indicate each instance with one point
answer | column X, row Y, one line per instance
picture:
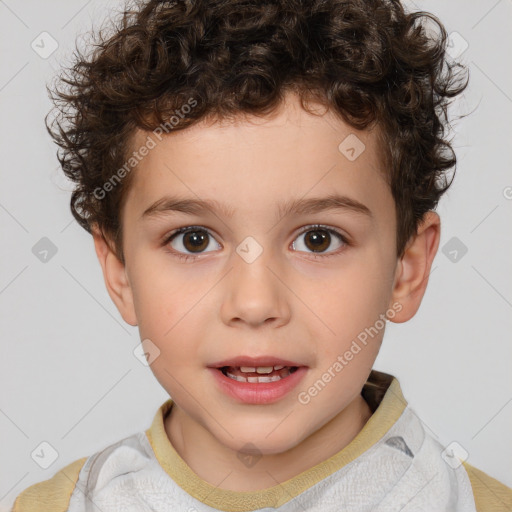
column 413, row 269
column 115, row 277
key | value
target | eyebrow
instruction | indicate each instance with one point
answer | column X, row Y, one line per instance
column 333, row 202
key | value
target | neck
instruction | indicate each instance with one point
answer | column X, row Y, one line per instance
column 191, row 441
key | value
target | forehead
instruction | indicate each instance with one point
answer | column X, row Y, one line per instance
column 253, row 165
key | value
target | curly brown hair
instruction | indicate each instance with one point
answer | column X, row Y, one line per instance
column 369, row 61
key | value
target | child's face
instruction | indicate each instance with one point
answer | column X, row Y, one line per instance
column 289, row 302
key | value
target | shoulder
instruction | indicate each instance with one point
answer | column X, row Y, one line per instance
column 50, row 495
column 490, row 494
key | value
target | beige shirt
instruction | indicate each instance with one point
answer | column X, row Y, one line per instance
column 392, row 464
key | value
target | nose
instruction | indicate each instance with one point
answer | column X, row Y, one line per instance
column 255, row 293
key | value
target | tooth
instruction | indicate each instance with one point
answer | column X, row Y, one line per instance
column 239, row 378
column 279, row 367
column 259, row 379
column 247, row 369
column 264, row 369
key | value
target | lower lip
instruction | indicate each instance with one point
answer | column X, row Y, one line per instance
column 258, row 393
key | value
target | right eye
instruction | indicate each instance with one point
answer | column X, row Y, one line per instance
column 195, row 239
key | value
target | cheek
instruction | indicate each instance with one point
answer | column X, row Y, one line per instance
column 165, row 304
column 352, row 301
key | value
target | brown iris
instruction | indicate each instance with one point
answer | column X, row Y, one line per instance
column 319, row 239
column 198, row 240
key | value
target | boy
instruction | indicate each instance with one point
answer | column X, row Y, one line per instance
column 259, row 179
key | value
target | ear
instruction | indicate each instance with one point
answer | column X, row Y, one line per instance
column 413, row 269
column 116, row 279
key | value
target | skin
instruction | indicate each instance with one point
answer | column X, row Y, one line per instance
column 286, row 303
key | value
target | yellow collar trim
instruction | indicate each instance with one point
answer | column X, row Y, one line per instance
column 386, row 414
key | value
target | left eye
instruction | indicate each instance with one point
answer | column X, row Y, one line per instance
column 318, row 238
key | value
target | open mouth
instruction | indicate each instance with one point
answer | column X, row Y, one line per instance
column 257, row 380
column 255, row 374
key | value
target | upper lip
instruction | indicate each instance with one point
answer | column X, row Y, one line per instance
column 254, row 362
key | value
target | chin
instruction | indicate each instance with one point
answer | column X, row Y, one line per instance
column 262, row 439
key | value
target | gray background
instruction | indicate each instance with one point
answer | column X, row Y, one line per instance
column 68, row 373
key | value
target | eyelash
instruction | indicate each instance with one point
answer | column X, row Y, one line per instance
column 312, row 227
